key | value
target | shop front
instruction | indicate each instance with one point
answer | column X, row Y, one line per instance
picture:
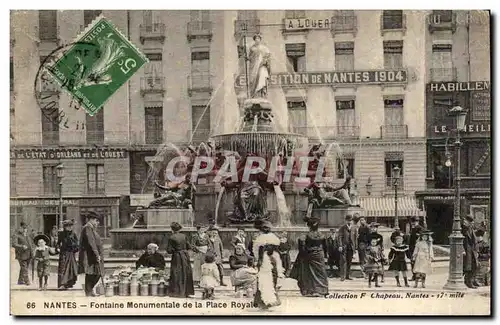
column 383, row 210
column 42, row 215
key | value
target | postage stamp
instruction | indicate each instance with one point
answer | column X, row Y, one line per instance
column 259, row 163
column 97, row 65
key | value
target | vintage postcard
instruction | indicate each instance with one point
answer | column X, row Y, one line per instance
column 250, row 162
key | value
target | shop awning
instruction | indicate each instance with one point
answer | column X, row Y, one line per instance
column 384, row 206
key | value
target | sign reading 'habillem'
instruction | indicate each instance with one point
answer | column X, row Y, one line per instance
column 333, row 78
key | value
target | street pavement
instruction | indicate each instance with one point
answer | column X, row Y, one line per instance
column 346, row 298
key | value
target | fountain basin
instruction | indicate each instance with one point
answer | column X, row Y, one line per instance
column 335, row 217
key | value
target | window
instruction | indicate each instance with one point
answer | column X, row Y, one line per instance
column 296, row 57
column 444, row 16
column 393, row 159
column 480, row 159
column 47, row 24
column 345, row 167
column 104, row 225
column 95, row 127
column 154, row 68
column 50, row 182
column 346, row 117
column 50, row 131
column 200, row 122
column 95, row 179
column 200, row 19
column 11, row 74
column 443, row 176
column 154, row 125
column 344, row 56
column 13, row 179
column 291, row 14
column 200, row 69
column 297, row 117
column 393, row 54
column 90, row 15
column 344, row 20
column 16, row 216
column 392, row 19
column 442, row 63
column 393, row 111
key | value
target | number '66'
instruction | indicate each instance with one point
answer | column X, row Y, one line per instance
column 127, row 65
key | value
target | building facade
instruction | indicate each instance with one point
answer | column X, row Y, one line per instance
column 458, row 65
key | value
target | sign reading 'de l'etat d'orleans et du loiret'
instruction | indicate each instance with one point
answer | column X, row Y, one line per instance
column 333, row 78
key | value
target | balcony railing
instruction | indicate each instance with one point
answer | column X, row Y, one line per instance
column 390, row 181
column 388, row 23
column 199, row 29
column 347, row 131
column 344, row 24
column 394, row 131
column 154, row 32
column 94, row 137
column 200, row 135
column 443, row 74
column 246, row 27
column 50, row 138
column 152, row 84
column 441, row 20
column 199, row 82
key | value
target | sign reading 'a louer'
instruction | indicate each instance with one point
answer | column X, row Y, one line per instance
column 333, row 78
column 68, row 154
column 306, row 23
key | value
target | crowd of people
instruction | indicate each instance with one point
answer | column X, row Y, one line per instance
column 257, row 264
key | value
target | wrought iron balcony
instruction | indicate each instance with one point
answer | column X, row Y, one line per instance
column 441, row 20
column 348, row 131
column 391, row 181
column 200, row 135
column 152, row 84
column 199, row 82
column 394, row 131
column 50, row 138
column 94, row 137
column 246, row 27
column 199, row 29
column 443, row 74
column 389, row 24
column 342, row 24
column 153, row 32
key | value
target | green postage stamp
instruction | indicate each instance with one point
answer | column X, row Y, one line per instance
column 99, row 62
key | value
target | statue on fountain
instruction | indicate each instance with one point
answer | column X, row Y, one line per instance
column 324, row 195
column 249, row 203
column 260, row 68
column 177, row 194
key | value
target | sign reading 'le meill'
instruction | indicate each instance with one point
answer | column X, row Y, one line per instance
column 333, row 78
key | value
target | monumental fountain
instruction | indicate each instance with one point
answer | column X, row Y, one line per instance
column 269, row 180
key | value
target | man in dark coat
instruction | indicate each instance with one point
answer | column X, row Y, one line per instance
column 23, row 246
column 346, row 248
column 90, row 259
column 333, row 251
column 471, row 251
column 363, row 242
column 415, row 230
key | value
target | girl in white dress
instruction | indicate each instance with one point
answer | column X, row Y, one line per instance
column 210, row 277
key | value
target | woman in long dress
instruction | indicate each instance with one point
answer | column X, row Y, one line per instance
column 181, row 274
column 200, row 248
column 269, row 266
column 260, row 68
column 309, row 268
column 67, row 243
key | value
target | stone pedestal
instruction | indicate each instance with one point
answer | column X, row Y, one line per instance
column 161, row 218
column 335, row 217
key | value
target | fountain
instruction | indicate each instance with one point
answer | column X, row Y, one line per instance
column 258, row 188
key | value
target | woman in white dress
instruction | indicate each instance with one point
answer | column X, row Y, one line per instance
column 270, row 269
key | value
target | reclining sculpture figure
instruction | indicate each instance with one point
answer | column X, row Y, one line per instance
column 177, row 195
column 324, row 195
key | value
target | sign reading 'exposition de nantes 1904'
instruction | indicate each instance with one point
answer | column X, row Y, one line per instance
column 333, row 78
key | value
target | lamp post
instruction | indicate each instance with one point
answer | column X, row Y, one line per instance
column 455, row 275
column 60, row 176
column 396, row 171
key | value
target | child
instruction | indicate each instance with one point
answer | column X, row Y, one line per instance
column 210, row 277
column 397, row 258
column 422, row 257
column 332, row 248
column 374, row 259
column 483, row 274
column 42, row 254
column 284, row 250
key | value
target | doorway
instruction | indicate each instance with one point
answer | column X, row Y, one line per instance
column 49, row 221
column 440, row 221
